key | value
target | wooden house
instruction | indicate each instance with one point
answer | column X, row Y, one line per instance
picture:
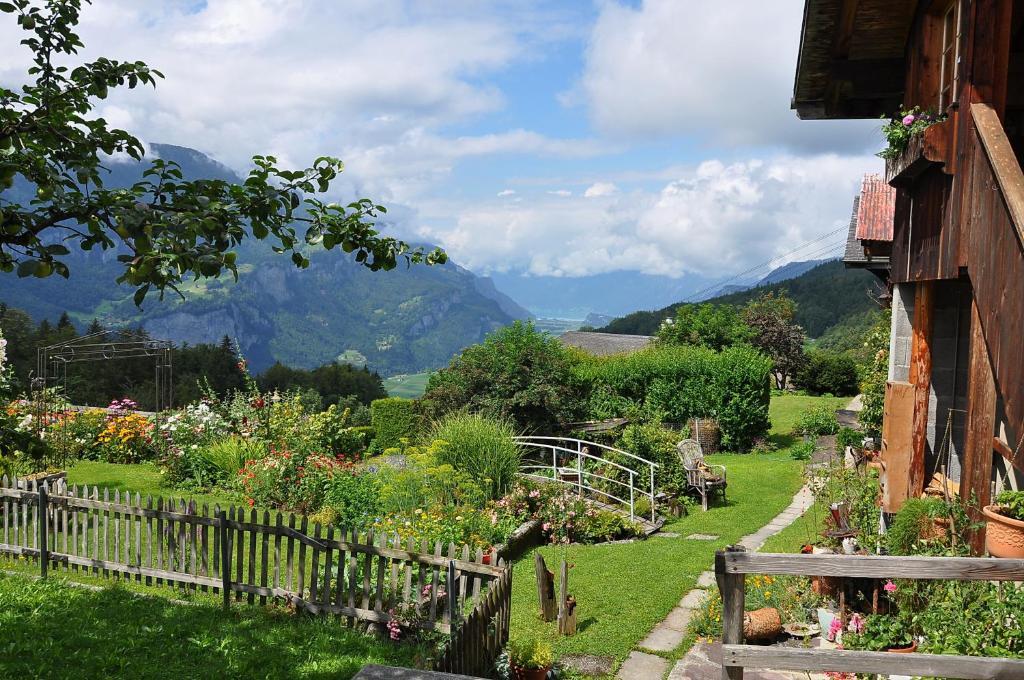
column 955, row 400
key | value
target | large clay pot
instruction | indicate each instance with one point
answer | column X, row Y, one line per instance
column 529, row 673
column 1004, row 537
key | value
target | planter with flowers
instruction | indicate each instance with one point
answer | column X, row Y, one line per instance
column 1004, row 525
column 915, row 139
column 529, row 659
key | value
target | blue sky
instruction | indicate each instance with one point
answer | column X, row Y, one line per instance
column 537, row 138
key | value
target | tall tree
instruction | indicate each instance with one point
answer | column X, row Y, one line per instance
column 166, row 228
column 705, row 325
column 770, row 318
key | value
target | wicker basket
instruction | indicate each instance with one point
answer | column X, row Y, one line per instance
column 707, row 433
column 762, row 624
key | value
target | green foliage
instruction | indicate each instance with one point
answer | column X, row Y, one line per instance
column 393, row 420
column 827, row 372
column 517, row 373
column 881, row 633
column 856, row 490
column 847, row 336
column 679, row 383
column 354, row 497
column 530, row 653
column 817, row 421
column 167, row 226
column 482, row 447
column 424, row 482
column 929, row 526
column 334, row 382
column 875, row 372
column 904, row 126
column 705, row 325
column 225, row 457
column 847, row 436
column 971, row 619
column 1011, row 504
column 773, row 331
column 657, row 444
column 803, row 450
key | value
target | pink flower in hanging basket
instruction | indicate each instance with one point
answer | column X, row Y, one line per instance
column 909, row 119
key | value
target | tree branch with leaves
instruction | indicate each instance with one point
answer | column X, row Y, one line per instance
column 165, row 227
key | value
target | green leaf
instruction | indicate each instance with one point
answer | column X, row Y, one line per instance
column 140, row 295
column 27, row 268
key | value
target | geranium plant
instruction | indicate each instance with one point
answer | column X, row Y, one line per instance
column 904, row 126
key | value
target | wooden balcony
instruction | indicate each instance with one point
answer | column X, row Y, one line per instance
column 933, row 147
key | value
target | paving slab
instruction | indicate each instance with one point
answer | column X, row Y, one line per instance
column 662, row 638
column 678, row 619
column 641, row 666
column 692, row 599
column 702, row 537
column 707, row 580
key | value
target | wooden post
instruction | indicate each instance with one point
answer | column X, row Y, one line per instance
column 976, row 476
column 452, row 586
column 731, row 586
column 545, row 588
column 566, row 604
column 921, row 378
column 225, row 557
column 44, row 531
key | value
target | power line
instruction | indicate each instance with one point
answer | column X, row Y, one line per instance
column 697, row 294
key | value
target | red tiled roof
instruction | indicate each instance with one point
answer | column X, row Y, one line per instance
column 875, row 213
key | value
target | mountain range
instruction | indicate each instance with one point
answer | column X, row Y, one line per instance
column 403, row 321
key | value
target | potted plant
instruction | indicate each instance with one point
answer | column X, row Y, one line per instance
column 529, row 659
column 1004, row 525
column 879, row 633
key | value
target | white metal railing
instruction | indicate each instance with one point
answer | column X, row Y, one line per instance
column 564, row 450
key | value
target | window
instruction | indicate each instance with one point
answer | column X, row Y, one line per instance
column 949, row 80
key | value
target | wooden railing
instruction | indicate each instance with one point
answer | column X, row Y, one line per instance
column 732, row 566
column 362, row 577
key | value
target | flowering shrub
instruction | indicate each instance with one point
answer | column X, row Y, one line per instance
column 446, row 524
column 290, row 480
column 904, row 126
column 565, row 516
column 186, row 433
column 127, row 437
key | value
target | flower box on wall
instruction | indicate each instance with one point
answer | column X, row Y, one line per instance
column 932, row 147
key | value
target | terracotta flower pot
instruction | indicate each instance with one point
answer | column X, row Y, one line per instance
column 1004, row 537
column 904, row 650
column 529, row 673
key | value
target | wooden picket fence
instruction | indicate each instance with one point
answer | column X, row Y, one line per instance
column 361, row 578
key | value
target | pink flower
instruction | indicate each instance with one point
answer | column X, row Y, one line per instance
column 889, row 586
column 834, row 628
column 909, row 119
column 856, row 624
column 546, row 526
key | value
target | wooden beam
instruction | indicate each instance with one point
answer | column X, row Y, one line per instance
column 976, row 476
column 844, row 32
column 921, row 379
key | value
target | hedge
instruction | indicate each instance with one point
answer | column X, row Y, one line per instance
column 827, row 372
column 679, row 383
column 392, row 420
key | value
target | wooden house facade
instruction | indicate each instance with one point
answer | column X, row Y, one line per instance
column 955, row 401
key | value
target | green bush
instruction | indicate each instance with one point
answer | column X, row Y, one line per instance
column 675, row 384
column 225, row 457
column 828, row 373
column 482, row 447
column 355, row 498
column 393, row 419
column 518, row 373
column 817, row 421
column 656, row 444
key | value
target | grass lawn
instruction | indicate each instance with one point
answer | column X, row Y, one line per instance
column 409, row 386
column 54, row 630
column 142, row 478
column 785, row 411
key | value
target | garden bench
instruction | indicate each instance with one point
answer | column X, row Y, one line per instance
column 706, row 479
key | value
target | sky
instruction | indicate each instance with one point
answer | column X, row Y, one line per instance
column 543, row 138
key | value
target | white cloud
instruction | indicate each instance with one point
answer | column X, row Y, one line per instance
column 598, row 189
column 716, row 219
column 507, row 192
column 560, row 192
column 722, row 71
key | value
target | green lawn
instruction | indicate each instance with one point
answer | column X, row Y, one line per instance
column 408, row 386
column 53, row 630
column 785, row 411
column 142, row 478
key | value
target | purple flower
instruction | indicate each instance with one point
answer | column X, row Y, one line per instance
column 909, row 119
